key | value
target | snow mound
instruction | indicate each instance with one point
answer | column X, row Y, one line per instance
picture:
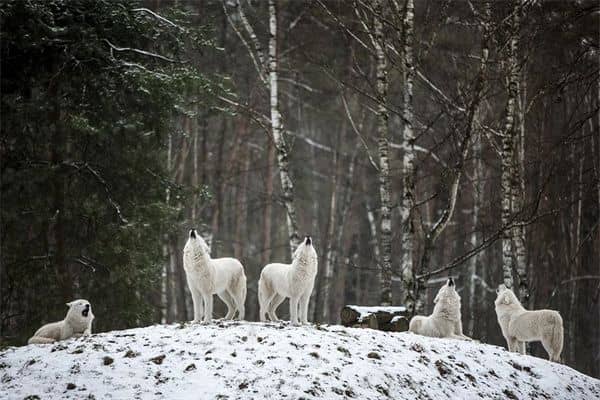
column 246, row 360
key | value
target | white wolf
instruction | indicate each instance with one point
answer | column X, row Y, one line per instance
column 519, row 325
column 445, row 321
column 77, row 323
column 224, row 277
column 295, row 280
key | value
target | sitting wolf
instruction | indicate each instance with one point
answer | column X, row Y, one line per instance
column 78, row 322
column 445, row 321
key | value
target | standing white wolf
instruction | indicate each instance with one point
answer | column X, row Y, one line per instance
column 519, row 325
column 295, row 280
column 445, row 321
column 77, row 323
column 224, row 277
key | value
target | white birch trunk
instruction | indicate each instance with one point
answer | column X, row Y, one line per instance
column 385, row 234
column 373, row 230
column 518, row 192
column 507, row 156
column 277, row 130
column 408, row 164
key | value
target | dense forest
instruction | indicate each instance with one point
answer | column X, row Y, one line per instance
column 412, row 139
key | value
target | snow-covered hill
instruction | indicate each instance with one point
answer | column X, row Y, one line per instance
column 231, row 360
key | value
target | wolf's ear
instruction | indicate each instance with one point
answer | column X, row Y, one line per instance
column 435, row 300
column 69, row 304
column 506, row 299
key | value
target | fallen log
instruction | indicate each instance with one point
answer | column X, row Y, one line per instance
column 392, row 319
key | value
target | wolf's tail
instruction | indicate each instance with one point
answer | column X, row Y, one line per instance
column 557, row 338
column 242, row 290
column 263, row 296
column 40, row 340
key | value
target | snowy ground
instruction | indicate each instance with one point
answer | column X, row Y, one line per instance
column 230, row 360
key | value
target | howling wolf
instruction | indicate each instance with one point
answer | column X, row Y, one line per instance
column 77, row 323
column 224, row 277
column 519, row 325
column 445, row 322
column 295, row 280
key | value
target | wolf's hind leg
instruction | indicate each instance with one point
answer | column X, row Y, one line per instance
column 513, row 345
column 275, row 302
column 229, row 301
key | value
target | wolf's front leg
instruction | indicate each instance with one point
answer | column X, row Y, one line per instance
column 208, row 307
column 294, row 310
column 198, row 306
column 304, row 300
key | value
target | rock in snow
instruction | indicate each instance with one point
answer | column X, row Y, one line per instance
column 247, row 360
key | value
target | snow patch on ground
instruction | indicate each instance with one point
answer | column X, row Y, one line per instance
column 246, row 360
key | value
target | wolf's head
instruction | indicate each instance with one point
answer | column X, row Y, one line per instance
column 448, row 291
column 505, row 297
column 305, row 252
column 196, row 245
column 80, row 312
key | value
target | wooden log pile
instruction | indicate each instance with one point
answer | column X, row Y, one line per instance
column 391, row 319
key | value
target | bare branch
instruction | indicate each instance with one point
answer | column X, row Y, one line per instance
column 159, row 17
column 138, row 51
column 355, row 129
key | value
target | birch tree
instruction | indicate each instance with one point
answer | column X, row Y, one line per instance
column 267, row 69
column 287, row 185
column 408, row 160
column 508, row 150
column 385, row 227
column 518, row 180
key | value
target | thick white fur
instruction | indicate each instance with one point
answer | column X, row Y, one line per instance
column 75, row 324
column 224, row 277
column 295, row 280
column 445, row 321
column 519, row 325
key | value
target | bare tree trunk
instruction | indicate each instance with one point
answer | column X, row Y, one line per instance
column 241, row 199
column 508, row 150
column 478, row 190
column 518, row 183
column 219, row 187
column 408, row 164
column 385, row 231
column 332, row 226
column 195, row 174
column 56, row 237
column 268, row 211
column 277, row 130
column 338, row 300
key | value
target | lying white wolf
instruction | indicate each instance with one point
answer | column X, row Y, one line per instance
column 445, row 321
column 77, row 323
column 224, row 277
column 295, row 280
column 519, row 325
